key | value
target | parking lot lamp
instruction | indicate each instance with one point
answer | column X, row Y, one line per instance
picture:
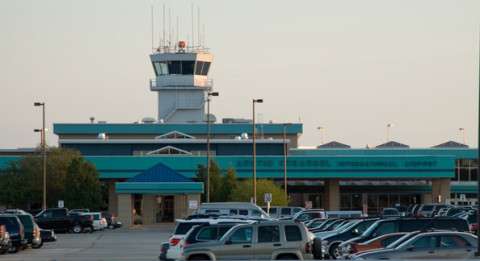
column 208, row 143
column 254, row 152
column 285, row 156
column 44, row 155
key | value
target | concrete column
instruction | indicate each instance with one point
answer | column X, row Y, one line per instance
column 148, row 209
column 331, row 198
column 112, row 198
column 440, row 187
column 125, row 209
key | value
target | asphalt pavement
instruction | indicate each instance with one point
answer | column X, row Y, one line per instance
column 138, row 243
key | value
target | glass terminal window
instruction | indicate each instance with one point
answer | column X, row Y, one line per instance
column 202, row 68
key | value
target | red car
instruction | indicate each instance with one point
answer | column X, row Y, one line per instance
column 375, row 243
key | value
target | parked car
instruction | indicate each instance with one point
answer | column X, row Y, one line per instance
column 233, row 208
column 258, row 241
column 47, row 235
column 374, row 243
column 163, row 251
column 79, row 210
column 112, row 221
column 16, row 230
column 306, row 215
column 99, row 222
column 32, row 231
column 390, row 212
column 314, row 223
column 59, row 219
column 331, row 242
column 428, row 245
column 5, row 242
column 387, row 226
column 430, row 210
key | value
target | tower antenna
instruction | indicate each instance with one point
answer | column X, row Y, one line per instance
column 153, row 48
column 163, row 26
column 198, row 26
column 169, row 27
column 193, row 35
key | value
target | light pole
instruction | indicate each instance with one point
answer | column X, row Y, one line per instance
column 254, row 152
column 463, row 130
column 44, row 155
column 285, row 155
column 208, row 142
column 321, row 134
column 388, row 131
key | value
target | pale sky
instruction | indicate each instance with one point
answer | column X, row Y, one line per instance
column 350, row 66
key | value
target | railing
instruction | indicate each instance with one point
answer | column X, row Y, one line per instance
column 176, row 49
column 197, row 83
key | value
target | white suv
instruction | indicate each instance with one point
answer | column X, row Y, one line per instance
column 177, row 239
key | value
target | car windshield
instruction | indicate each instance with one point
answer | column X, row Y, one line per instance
column 347, row 226
column 400, row 241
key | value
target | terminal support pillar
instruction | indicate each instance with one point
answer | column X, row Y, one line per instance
column 440, row 190
column 125, row 209
column 112, row 198
column 331, row 199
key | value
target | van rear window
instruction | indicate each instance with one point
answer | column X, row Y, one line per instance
column 184, row 227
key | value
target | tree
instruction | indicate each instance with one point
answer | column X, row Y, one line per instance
column 215, row 180
column 229, row 183
column 69, row 178
column 244, row 192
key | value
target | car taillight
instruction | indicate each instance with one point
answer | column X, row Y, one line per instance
column 20, row 231
column 90, row 219
column 419, row 213
column 174, row 241
column 308, row 248
column 185, row 244
column 163, row 249
column 112, row 218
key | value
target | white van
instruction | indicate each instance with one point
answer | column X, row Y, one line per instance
column 282, row 212
column 344, row 214
column 232, row 208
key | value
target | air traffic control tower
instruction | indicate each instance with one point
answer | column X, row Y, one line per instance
column 181, row 82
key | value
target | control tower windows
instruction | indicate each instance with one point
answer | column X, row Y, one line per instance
column 174, row 67
column 202, row 68
column 160, row 68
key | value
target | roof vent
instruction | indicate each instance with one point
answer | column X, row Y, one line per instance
column 244, row 136
column 148, row 120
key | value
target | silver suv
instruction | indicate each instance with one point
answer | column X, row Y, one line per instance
column 258, row 241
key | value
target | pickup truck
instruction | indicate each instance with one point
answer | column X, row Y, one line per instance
column 59, row 219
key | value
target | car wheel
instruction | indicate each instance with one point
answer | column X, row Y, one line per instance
column 111, row 226
column 334, row 252
column 77, row 228
column 14, row 249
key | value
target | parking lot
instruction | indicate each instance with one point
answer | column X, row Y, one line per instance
column 140, row 243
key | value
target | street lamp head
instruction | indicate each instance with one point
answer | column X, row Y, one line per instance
column 462, row 129
column 320, row 128
column 258, row 100
column 37, row 130
column 38, row 104
column 213, row 93
column 390, row 125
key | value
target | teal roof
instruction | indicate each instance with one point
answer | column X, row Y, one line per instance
column 159, row 179
column 131, row 128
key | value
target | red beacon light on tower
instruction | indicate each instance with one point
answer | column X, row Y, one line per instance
column 181, row 46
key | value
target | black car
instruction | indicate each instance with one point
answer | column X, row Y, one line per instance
column 16, row 230
column 354, row 229
column 112, row 221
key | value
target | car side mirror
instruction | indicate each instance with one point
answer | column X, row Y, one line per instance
column 229, row 241
column 410, row 248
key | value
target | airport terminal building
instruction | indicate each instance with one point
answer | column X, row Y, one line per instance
column 150, row 166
